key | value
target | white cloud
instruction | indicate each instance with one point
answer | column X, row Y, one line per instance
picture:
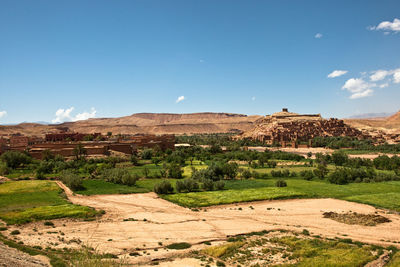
column 63, row 115
column 361, row 87
column 396, row 76
column 180, row 99
column 3, row 113
column 358, row 88
column 362, row 94
column 201, row 60
column 387, row 26
column 337, row 73
column 379, row 75
column 253, row 98
column 318, row 35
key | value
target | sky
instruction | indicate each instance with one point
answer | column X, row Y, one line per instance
column 78, row 59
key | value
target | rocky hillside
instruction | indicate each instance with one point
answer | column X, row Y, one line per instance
column 151, row 123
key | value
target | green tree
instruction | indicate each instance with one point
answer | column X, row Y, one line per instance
column 79, row 152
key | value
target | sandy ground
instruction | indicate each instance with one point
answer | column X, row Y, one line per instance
column 161, row 221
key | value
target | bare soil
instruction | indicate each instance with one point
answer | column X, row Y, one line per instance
column 156, row 223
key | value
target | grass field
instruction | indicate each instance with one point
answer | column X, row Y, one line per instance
column 26, row 201
column 101, row 187
column 384, row 194
column 202, row 199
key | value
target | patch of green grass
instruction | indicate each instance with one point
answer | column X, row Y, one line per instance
column 389, row 200
column 26, row 201
column 223, row 250
column 101, row 187
column 383, row 194
column 395, row 261
column 316, row 252
column 208, row 198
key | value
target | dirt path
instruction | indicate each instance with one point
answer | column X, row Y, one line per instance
column 158, row 222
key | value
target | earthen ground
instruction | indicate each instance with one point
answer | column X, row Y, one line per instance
column 159, row 222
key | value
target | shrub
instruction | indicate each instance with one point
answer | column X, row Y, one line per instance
column 182, row 245
column 219, row 185
column 146, row 154
column 71, row 180
column 48, row 223
column 276, row 173
column 164, row 187
column 307, row 175
column 321, row 171
column 15, row 232
column 188, row 185
column 246, row 174
column 208, row 185
column 281, row 183
column 119, row 176
column 174, row 171
column 4, row 170
column 15, row 159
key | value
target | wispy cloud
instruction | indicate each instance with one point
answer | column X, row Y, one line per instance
column 63, row 115
column 318, row 35
column 253, row 98
column 180, row 99
column 387, row 26
column 379, row 75
column 337, row 73
column 3, row 113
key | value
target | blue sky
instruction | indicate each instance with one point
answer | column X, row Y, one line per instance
column 114, row 58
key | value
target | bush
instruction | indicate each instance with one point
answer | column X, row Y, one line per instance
column 164, row 187
column 182, row 245
column 208, row 185
column 219, row 185
column 15, row 159
column 15, row 232
column 119, row 176
column 281, row 183
column 276, row 173
column 72, row 180
column 146, row 154
column 174, row 171
column 307, row 175
column 246, row 174
column 188, row 185
column 4, row 170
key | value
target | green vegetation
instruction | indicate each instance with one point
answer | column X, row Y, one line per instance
column 290, row 250
column 101, row 187
column 182, row 245
column 316, row 252
column 395, row 261
column 202, row 199
column 26, row 201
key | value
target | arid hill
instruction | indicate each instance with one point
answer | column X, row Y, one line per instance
column 388, row 124
column 151, row 123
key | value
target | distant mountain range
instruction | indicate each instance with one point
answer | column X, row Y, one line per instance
column 192, row 123
column 371, row 115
